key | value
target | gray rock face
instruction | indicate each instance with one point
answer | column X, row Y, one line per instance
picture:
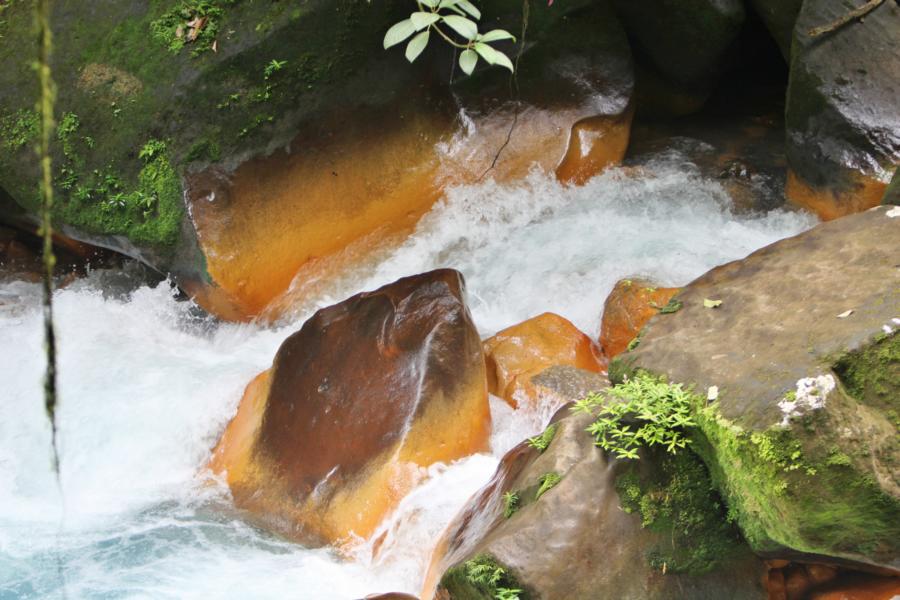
column 574, row 541
column 843, row 113
column 803, row 438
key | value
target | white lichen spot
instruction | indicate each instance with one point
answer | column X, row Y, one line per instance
column 894, row 212
column 712, row 393
column 887, row 329
column 810, row 395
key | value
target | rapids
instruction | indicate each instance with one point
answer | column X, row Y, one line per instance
column 147, row 385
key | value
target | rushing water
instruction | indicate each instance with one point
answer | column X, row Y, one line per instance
column 147, row 387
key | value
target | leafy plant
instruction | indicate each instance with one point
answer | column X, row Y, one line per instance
column 506, row 594
column 547, row 482
column 152, row 150
column 673, row 306
column 542, row 442
column 510, row 504
column 455, row 22
column 484, row 572
column 273, row 67
column 641, row 411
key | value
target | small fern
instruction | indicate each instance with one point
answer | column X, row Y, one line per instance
column 510, row 504
column 546, row 483
column 542, row 442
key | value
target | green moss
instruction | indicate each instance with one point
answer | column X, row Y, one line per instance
column 788, row 491
column 19, row 128
column 482, row 578
column 872, row 376
column 676, row 498
column 174, row 30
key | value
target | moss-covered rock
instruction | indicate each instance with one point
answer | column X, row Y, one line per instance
column 653, row 528
column 802, row 436
column 843, row 118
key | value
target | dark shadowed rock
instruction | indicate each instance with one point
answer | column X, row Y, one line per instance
column 367, row 392
column 779, row 17
column 803, row 439
column 843, row 117
column 685, row 40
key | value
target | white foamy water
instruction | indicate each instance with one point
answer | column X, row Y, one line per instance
column 146, row 388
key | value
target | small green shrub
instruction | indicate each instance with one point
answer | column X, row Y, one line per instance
column 542, row 442
column 510, row 504
column 546, row 483
column 152, row 150
column 641, row 411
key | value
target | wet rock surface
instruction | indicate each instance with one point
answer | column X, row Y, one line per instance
column 367, row 392
column 843, row 118
column 802, row 355
column 573, row 540
column 627, row 309
column 517, row 354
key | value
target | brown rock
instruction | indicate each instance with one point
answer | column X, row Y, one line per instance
column 520, row 352
column 859, row 587
column 368, row 391
column 628, row 308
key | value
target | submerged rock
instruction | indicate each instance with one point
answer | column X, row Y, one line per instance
column 566, row 523
column 627, row 309
column 516, row 354
column 368, row 392
column 843, row 117
column 801, row 362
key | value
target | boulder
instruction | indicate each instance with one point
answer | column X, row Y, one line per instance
column 627, row 309
column 284, row 138
column 796, row 348
column 779, row 17
column 522, row 351
column 892, row 193
column 859, row 587
column 368, row 392
column 842, row 117
column 582, row 537
column 685, row 41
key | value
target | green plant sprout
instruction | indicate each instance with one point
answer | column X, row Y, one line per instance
column 642, row 411
column 458, row 17
column 547, row 482
column 510, row 504
column 542, row 442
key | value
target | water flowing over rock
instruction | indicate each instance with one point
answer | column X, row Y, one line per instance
column 843, row 117
column 573, row 540
column 627, row 309
column 802, row 355
column 369, row 390
column 516, row 354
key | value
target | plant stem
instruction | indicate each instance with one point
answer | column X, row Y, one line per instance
column 856, row 13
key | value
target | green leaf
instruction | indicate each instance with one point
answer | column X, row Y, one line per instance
column 494, row 57
column 461, row 25
column 421, row 20
column 399, row 32
column 467, row 61
column 495, row 35
column 469, row 8
column 416, row 45
column 711, row 303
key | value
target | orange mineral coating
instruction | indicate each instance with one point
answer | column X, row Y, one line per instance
column 517, row 353
column 361, row 182
column 858, row 587
column 595, row 143
column 629, row 306
column 831, row 204
column 367, row 393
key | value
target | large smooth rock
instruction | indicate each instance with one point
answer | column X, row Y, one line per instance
column 516, row 354
column 627, row 309
column 581, row 539
column 369, row 390
column 299, row 142
column 803, row 439
column 843, row 117
column 685, row 39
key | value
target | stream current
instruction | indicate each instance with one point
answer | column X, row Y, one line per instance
column 147, row 386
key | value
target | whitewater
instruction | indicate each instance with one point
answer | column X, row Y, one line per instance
column 148, row 384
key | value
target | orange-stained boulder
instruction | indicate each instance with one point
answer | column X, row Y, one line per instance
column 331, row 438
column 628, row 308
column 522, row 351
column 859, row 587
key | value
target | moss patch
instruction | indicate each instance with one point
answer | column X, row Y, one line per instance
column 676, row 498
column 872, row 376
